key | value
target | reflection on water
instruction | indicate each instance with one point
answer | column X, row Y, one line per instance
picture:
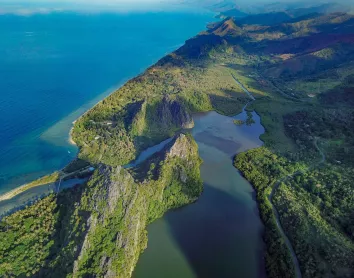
column 221, row 234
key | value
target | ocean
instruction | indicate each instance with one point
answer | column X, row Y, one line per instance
column 54, row 66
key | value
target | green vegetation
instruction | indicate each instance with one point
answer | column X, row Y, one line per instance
column 307, row 112
column 238, row 122
column 151, row 108
column 317, row 215
column 335, row 127
column 249, row 120
column 315, row 205
column 263, row 168
column 315, row 209
column 26, row 239
column 99, row 228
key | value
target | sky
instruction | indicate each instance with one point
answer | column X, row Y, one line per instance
column 28, row 7
column 82, row 1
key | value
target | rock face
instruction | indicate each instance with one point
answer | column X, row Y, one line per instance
column 117, row 134
column 172, row 112
column 181, row 147
column 120, row 209
column 117, row 223
column 169, row 113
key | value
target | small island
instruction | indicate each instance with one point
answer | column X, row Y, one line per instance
column 238, row 122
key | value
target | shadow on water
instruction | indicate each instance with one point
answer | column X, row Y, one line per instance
column 214, row 236
column 221, row 234
column 221, row 144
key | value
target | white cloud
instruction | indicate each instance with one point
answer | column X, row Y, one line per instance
column 28, row 7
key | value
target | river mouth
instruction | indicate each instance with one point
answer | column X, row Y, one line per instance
column 220, row 235
column 32, row 195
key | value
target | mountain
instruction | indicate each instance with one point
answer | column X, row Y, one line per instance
column 226, row 28
column 235, row 13
column 266, row 19
column 321, row 9
column 283, row 14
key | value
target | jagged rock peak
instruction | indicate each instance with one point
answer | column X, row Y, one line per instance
column 181, row 147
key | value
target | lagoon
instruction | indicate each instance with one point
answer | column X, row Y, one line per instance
column 220, row 235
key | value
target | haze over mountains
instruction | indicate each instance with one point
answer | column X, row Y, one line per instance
column 239, row 8
column 91, row 6
column 270, row 6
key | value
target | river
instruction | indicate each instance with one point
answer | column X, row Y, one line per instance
column 221, row 234
column 31, row 195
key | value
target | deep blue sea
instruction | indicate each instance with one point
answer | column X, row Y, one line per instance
column 55, row 66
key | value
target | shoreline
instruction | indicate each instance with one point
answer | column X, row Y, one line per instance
column 51, row 178
column 100, row 98
column 24, row 187
column 110, row 92
column 70, row 139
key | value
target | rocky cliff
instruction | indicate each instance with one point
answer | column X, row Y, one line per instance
column 120, row 208
column 171, row 112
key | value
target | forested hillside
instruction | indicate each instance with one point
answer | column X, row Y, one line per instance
column 99, row 229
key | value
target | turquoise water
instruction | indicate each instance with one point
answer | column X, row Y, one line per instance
column 53, row 67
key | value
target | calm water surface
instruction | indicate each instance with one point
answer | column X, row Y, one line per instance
column 55, row 66
column 221, row 234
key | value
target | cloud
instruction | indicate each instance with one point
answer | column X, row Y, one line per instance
column 29, row 7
